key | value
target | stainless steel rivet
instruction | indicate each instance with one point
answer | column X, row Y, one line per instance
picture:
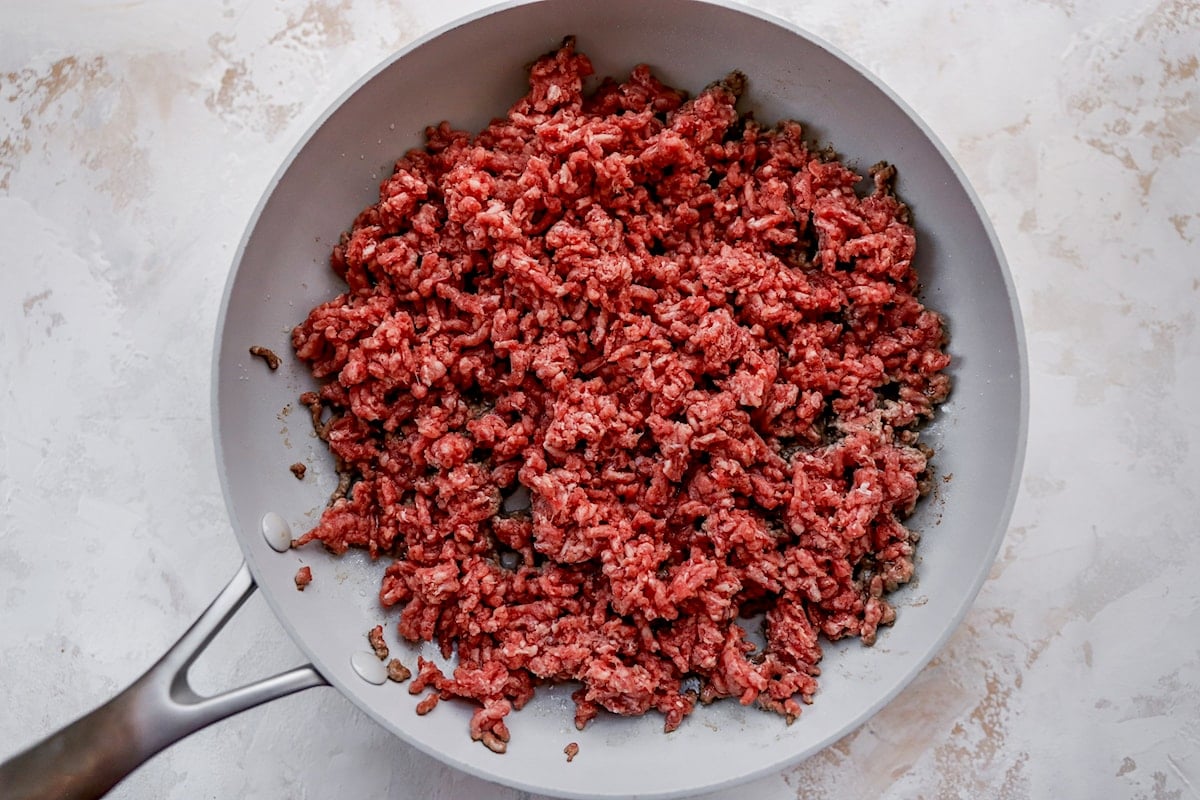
column 369, row 667
column 277, row 532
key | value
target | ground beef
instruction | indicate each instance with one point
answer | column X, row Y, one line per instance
column 396, row 671
column 378, row 645
column 428, row 703
column 267, row 355
column 687, row 339
column 303, row 578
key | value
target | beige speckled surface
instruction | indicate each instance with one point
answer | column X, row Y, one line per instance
column 135, row 139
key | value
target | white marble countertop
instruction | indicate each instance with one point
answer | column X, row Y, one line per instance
column 135, row 140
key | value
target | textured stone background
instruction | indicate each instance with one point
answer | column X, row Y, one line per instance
column 135, row 140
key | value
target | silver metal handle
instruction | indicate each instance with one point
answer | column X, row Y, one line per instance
column 91, row 755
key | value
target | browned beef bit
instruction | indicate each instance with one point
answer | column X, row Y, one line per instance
column 303, row 577
column 396, row 671
column 266, row 355
column 343, row 486
column 375, row 637
column 316, row 409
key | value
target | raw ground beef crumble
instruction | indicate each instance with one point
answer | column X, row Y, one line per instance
column 304, row 577
column 694, row 345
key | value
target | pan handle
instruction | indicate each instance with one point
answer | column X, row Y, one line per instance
column 91, row 755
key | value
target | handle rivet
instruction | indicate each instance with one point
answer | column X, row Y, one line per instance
column 277, row 532
column 369, row 667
